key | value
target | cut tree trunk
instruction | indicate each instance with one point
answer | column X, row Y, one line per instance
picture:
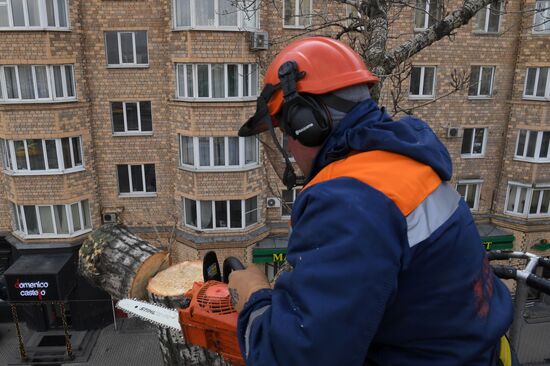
column 120, row 263
column 167, row 288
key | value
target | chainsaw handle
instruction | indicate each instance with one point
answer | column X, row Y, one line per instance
column 231, row 264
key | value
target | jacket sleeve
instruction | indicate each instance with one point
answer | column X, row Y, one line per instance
column 345, row 248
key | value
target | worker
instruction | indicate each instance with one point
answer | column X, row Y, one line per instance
column 387, row 266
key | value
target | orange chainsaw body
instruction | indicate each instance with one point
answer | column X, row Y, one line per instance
column 210, row 321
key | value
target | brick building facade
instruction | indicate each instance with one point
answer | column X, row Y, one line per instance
column 130, row 110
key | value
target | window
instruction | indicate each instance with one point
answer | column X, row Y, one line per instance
column 422, row 82
column 427, row 13
column 533, row 146
column 137, row 180
column 216, row 14
column 34, row 14
column 36, row 156
column 488, row 18
column 28, row 83
column 215, row 215
column 218, row 152
column 470, row 191
column 49, row 221
column 481, row 81
column 217, row 81
column 541, row 22
column 285, row 147
column 527, row 201
column 288, row 201
column 126, row 49
column 131, row 117
column 537, row 85
column 473, row 142
column 297, row 13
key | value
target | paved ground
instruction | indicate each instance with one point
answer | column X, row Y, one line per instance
column 133, row 343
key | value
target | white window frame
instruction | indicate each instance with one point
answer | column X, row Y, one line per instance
column 42, row 14
column 296, row 17
column 471, row 154
column 422, row 80
column 126, row 132
column 478, row 94
column 546, row 88
column 125, row 65
column 133, row 193
column 22, row 231
column 528, row 197
column 426, row 13
column 241, row 26
column 283, row 202
column 284, row 145
column 13, row 170
column 469, row 183
column 538, row 147
column 240, row 72
column 545, row 13
column 488, row 9
column 51, row 85
column 213, row 203
column 211, row 166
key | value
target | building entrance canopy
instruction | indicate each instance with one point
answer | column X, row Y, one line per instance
column 494, row 238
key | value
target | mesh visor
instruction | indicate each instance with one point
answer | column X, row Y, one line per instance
column 261, row 119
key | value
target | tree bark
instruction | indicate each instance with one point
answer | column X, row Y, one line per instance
column 120, row 263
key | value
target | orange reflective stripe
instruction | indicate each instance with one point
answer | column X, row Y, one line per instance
column 403, row 180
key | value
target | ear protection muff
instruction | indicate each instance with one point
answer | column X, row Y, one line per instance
column 302, row 116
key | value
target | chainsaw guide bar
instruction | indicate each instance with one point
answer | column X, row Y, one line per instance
column 156, row 314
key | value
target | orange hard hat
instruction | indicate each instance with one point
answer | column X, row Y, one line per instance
column 328, row 65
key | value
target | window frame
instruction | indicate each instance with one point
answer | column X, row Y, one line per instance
column 241, row 19
column 538, row 146
column 226, row 98
column 479, row 83
column 537, row 75
column 42, row 13
column 127, row 132
column 133, row 193
column 19, row 224
column 62, row 165
column 421, row 85
column 212, row 167
column 126, row 65
column 198, row 213
column 530, row 188
column 546, row 23
column 50, row 77
column 295, row 192
column 426, row 13
column 477, row 183
column 471, row 154
column 296, row 16
column 488, row 9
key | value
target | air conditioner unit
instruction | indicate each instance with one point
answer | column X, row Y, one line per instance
column 110, row 218
column 454, row 132
column 259, row 41
column 273, row 202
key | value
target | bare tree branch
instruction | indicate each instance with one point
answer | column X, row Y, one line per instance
column 439, row 30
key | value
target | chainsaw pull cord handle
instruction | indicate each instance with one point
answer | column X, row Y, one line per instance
column 231, row 264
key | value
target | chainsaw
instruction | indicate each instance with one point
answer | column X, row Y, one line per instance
column 208, row 320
